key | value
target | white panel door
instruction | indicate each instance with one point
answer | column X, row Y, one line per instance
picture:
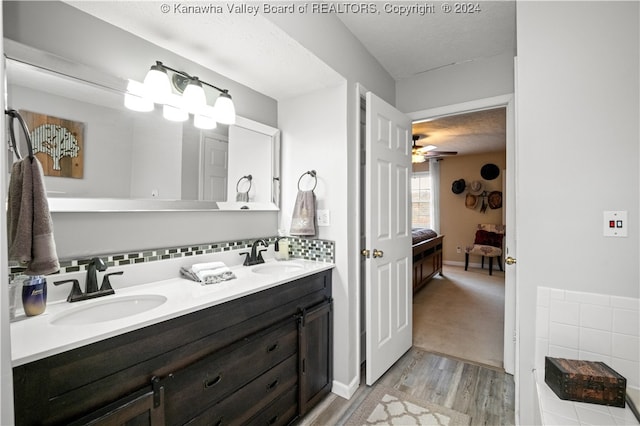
column 214, row 153
column 388, row 293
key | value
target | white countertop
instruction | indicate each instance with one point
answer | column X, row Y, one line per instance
column 34, row 338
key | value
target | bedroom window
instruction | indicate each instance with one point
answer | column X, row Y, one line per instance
column 421, row 200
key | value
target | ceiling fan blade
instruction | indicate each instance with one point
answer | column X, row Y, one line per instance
column 431, row 154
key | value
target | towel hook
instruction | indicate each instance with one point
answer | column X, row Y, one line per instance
column 247, row 177
column 12, row 113
column 311, row 173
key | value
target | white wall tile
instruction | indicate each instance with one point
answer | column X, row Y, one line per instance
column 564, row 312
column 564, row 335
column 596, row 341
column 626, row 321
column 594, row 356
column 626, row 347
column 596, row 316
column 543, row 296
column 630, row 370
column 563, row 352
column 625, row 303
column 556, row 294
column 590, row 298
column 542, row 350
column 542, row 322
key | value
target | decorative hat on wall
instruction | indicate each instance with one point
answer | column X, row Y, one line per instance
column 458, row 186
column 495, row 199
column 476, row 187
column 489, row 171
column 470, row 201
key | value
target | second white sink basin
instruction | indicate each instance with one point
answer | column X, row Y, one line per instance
column 277, row 268
column 108, row 309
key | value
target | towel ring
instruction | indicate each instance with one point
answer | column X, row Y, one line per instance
column 12, row 113
column 247, row 177
column 312, row 173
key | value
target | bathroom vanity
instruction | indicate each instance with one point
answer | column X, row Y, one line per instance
column 264, row 357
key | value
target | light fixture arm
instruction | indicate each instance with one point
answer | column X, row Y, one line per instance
column 191, row 77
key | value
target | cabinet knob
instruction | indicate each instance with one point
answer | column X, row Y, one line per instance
column 273, row 347
column 271, row 386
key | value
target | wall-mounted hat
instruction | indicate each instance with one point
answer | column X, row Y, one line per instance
column 470, row 201
column 495, row 199
column 489, row 171
column 476, row 187
column 458, row 186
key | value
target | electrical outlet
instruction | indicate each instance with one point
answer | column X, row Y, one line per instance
column 615, row 224
column 155, row 193
column 458, row 249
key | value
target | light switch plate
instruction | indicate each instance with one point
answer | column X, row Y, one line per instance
column 324, row 218
column 615, row 224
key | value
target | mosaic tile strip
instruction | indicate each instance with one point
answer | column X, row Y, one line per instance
column 301, row 248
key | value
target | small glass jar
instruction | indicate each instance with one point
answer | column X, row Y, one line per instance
column 34, row 295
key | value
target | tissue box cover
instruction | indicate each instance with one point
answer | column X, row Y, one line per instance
column 585, row 381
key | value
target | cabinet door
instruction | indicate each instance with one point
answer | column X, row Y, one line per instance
column 316, row 354
column 143, row 408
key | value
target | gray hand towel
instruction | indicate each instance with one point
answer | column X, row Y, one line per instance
column 303, row 221
column 242, row 196
column 30, row 228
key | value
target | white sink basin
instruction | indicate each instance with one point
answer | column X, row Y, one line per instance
column 109, row 309
column 277, row 268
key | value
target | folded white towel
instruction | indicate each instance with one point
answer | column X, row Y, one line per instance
column 208, row 273
column 197, row 267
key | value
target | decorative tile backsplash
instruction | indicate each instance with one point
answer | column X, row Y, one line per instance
column 589, row 326
column 301, row 248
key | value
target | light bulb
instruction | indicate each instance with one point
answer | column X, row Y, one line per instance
column 156, row 84
column 173, row 109
column 193, row 96
column 225, row 110
column 205, row 118
column 134, row 97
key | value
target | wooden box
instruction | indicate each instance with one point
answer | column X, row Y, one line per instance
column 585, row 381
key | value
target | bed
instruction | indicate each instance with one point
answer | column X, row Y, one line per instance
column 427, row 256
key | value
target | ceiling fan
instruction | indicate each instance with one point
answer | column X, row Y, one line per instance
column 420, row 153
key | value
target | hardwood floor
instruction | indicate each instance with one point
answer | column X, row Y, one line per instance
column 485, row 394
column 476, row 388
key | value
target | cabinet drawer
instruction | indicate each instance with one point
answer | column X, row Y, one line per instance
column 213, row 378
column 281, row 412
column 254, row 397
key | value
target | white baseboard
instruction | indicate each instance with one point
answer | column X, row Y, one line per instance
column 346, row 391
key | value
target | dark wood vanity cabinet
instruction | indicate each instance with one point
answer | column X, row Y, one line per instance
column 265, row 358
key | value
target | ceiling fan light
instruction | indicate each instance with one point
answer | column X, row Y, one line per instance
column 225, row 111
column 193, row 97
column 428, row 148
column 416, row 158
column 156, row 83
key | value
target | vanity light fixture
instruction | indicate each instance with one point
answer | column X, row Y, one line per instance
column 157, row 89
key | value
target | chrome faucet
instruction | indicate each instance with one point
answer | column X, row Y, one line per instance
column 96, row 264
column 255, row 256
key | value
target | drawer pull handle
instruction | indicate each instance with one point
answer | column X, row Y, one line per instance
column 271, row 386
column 219, row 423
column 272, row 420
column 213, row 382
column 273, row 347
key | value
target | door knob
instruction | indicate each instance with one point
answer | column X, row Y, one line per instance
column 510, row 260
column 365, row 253
column 377, row 253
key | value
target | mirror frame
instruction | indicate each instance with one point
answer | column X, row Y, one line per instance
column 21, row 53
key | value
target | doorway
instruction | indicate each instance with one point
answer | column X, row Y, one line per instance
column 510, row 326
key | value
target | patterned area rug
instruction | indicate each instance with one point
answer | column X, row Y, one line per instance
column 389, row 406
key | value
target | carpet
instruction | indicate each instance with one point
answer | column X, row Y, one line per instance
column 389, row 406
column 461, row 314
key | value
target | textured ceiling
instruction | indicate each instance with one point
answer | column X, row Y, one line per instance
column 471, row 133
column 411, row 44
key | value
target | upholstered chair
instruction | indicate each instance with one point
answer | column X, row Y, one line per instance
column 487, row 243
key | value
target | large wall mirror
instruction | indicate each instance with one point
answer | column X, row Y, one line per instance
column 115, row 159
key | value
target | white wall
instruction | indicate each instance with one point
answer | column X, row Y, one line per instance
column 469, row 81
column 578, row 155
column 314, row 137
